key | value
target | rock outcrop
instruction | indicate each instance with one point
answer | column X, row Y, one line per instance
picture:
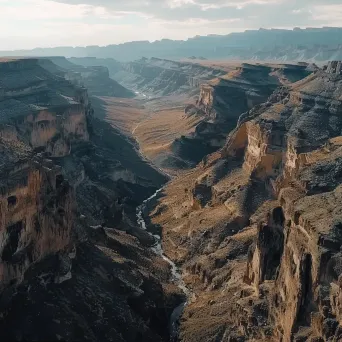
column 334, row 67
column 39, row 112
column 258, row 227
column 224, row 99
column 37, row 212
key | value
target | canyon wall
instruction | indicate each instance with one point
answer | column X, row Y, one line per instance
column 37, row 212
column 37, row 203
column 160, row 77
column 224, row 99
column 74, row 264
column 51, row 115
column 258, row 228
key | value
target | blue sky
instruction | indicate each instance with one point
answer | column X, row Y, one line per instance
column 46, row 23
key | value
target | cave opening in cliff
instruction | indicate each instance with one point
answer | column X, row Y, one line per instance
column 278, row 216
column 12, row 244
column 273, row 246
column 306, row 282
column 43, row 124
column 11, row 202
column 59, row 181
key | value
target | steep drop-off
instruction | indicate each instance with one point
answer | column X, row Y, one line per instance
column 222, row 101
column 194, row 105
column 74, row 265
column 257, row 226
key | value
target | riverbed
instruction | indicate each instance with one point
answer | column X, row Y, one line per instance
column 176, row 275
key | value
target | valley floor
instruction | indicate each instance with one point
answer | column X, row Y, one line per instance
column 154, row 125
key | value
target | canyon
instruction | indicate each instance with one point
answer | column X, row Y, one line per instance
column 72, row 254
column 255, row 226
column 163, row 200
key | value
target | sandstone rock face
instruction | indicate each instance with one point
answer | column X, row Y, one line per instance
column 222, row 101
column 259, row 230
column 37, row 208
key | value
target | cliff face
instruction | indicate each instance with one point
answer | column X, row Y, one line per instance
column 37, row 211
column 65, row 176
column 49, row 115
column 223, row 99
column 37, row 207
column 242, row 89
column 258, row 227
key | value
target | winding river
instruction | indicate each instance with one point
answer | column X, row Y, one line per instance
column 175, row 272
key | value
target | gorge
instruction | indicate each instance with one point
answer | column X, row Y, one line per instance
column 207, row 210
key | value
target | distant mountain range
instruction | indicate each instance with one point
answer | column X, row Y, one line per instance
column 315, row 44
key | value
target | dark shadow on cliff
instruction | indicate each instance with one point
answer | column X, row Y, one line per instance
column 108, row 298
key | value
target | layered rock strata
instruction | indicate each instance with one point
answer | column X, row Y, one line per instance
column 160, row 77
column 257, row 226
column 224, row 99
column 49, row 113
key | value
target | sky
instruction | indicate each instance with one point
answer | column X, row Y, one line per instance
column 25, row 24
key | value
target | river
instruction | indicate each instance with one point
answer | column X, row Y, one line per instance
column 176, row 275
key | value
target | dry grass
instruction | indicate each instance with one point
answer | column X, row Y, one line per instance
column 124, row 114
column 155, row 124
column 220, row 65
column 156, row 134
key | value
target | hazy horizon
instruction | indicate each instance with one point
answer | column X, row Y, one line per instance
column 163, row 38
column 28, row 24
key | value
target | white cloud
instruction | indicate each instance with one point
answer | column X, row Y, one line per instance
column 298, row 11
column 234, row 3
column 46, row 9
column 30, row 23
column 179, row 3
column 196, row 22
column 328, row 14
